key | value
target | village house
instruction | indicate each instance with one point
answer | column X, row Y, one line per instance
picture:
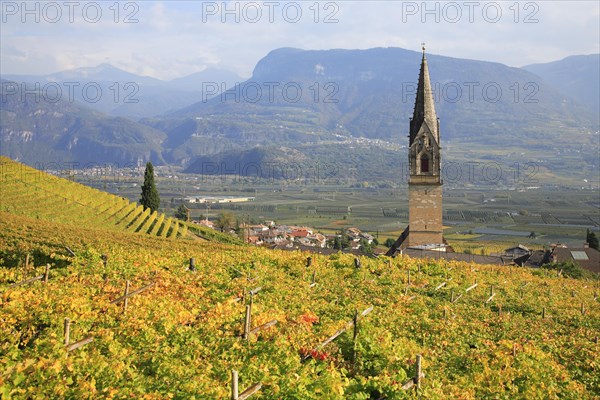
column 206, row 223
column 517, row 251
column 586, row 257
column 272, row 236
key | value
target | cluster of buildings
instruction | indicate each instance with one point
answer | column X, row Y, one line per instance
column 283, row 235
column 586, row 257
column 295, row 237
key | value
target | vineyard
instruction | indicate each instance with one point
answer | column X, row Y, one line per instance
column 515, row 333
column 96, row 310
column 27, row 191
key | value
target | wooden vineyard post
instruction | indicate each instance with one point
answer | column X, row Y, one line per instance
column 314, row 276
column 331, row 338
column 104, row 261
column 357, row 262
column 355, row 322
column 234, row 385
column 235, row 395
column 133, row 293
column 47, row 273
column 514, row 349
column 416, row 380
column 192, row 264
column 67, row 331
column 247, row 321
column 409, row 276
column 419, row 372
column 25, row 266
column 354, row 335
column 75, row 345
column 308, row 262
column 126, row 300
column 492, row 294
column 390, row 263
column 582, row 309
column 544, row 313
column 473, row 286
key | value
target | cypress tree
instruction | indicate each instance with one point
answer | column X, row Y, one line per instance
column 591, row 239
column 150, row 198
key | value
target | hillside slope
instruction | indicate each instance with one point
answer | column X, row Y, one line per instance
column 576, row 76
column 42, row 126
column 181, row 337
column 30, row 192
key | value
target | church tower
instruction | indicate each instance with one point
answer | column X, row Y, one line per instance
column 424, row 157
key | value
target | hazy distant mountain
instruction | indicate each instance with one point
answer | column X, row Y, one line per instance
column 370, row 93
column 103, row 73
column 122, row 93
column 575, row 76
column 34, row 130
column 208, row 78
column 487, row 110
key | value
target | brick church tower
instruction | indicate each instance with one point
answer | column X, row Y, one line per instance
column 424, row 157
column 425, row 182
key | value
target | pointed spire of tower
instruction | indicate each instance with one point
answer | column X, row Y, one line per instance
column 424, row 105
column 425, row 227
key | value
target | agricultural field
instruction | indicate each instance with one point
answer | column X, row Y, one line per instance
column 482, row 219
column 143, row 324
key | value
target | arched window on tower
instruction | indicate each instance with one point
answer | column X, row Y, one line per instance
column 424, row 164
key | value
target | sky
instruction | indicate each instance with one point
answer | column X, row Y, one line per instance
column 171, row 39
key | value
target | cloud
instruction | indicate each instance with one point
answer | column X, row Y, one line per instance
column 176, row 38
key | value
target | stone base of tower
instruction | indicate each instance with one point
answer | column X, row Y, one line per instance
column 425, row 214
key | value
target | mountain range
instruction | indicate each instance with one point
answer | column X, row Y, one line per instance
column 316, row 106
column 579, row 75
column 126, row 94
